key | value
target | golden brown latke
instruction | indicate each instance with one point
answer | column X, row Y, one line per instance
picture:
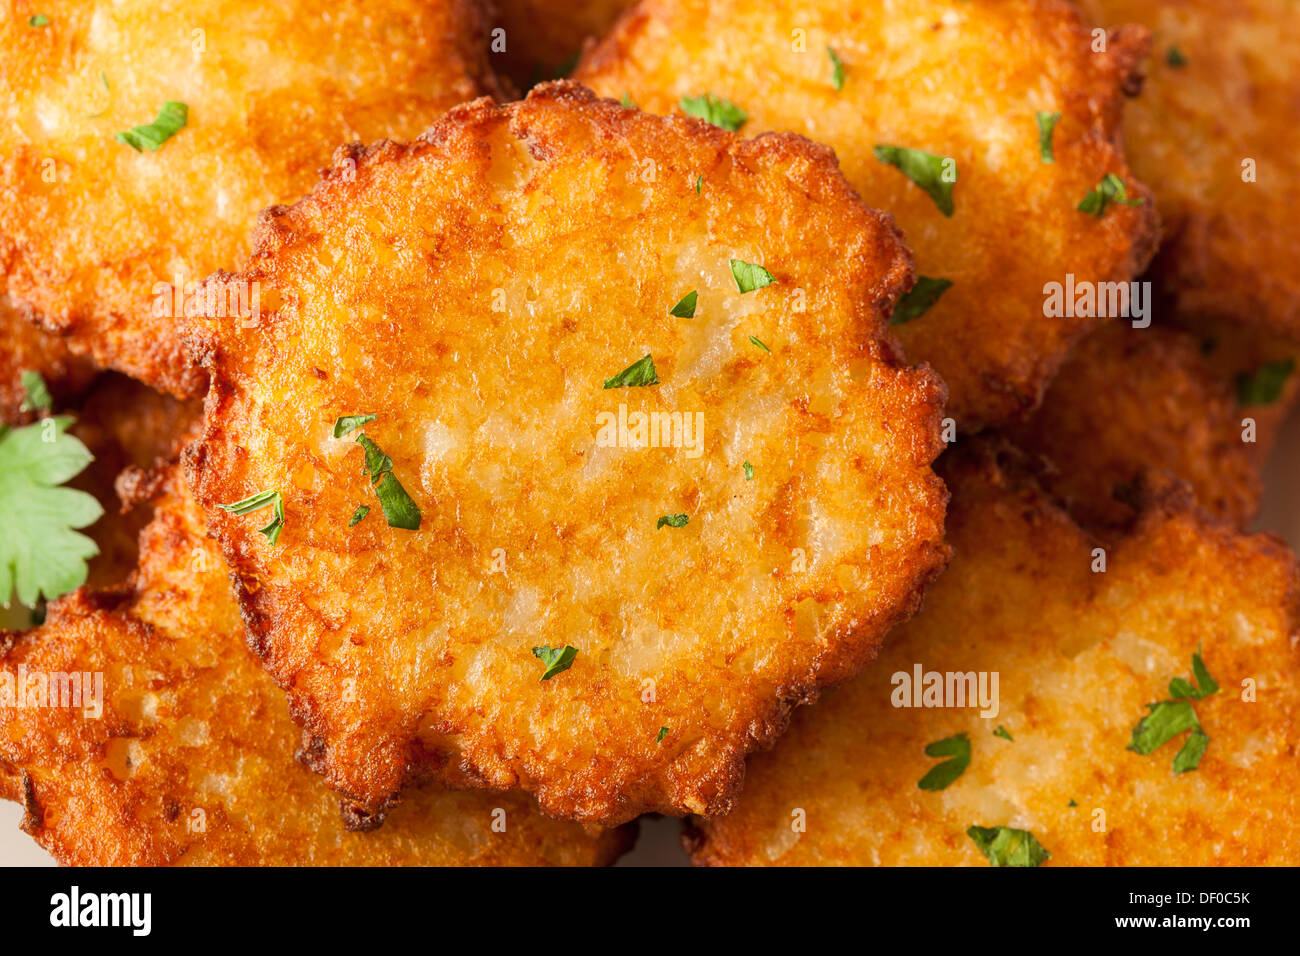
column 473, row 291
column 92, row 232
column 1222, row 88
column 1131, row 403
column 1079, row 656
column 961, row 80
column 24, row 348
column 192, row 761
column 133, row 432
column 543, row 37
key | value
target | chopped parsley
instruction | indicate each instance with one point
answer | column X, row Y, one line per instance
column 40, row 552
column 757, row 343
column 349, row 423
column 837, row 69
column 1175, row 58
column 716, row 110
column 1111, row 189
column 1071, row 804
column 685, row 307
column 361, row 512
column 556, row 659
column 957, row 748
column 1046, row 126
column 171, row 120
column 663, row 732
column 37, row 395
column 637, row 375
column 749, row 471
column 924, row 169
column 39, row 20
column 1003, row 733
column 673, row 521
column 750, row 276
column 917, row 302
column 1264, row 385
column 699, row 183
column 399, row 510
column 1005, row 846
column 1169, row 718
column 263, row 499
column 627, row 103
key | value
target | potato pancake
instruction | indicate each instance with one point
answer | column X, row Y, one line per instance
column 651, row 470
column 981, row 127
column 1142, row 715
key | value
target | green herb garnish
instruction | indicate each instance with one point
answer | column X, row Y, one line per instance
column 749, row 276
column 1169, row 718
column 37, row 393
column 1007, row 847
column 941, row 775
column 556, row 659
column 361, row 512
column 350, row 423
column 263, row 499
column 399, row 510
column 1046, row 125
column 39, row 20
column 637, row 375
column 757, row 343
column 673, row 521
column 716, row 110
column 1111, row 189
column 749, row 471
column 1175, row 58
column 1002, row 732
column 1264, row 385
column 927, row 170
column 171, row 120
column 663, row 732
column 919, row 299
column 685, row 307
column 837, row 69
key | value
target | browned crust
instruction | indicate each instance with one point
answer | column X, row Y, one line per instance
column 652, row 785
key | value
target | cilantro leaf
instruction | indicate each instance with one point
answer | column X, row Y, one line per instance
column 749, row 276
column 399, row 510
column 941, row 775
column 673, row 521
column 171, row 120
column 716, row 110
column 927, row 170
column 919, row 299
column 1005, row 846
column 556, row 659
column 1264, row 385
column 685, row 307
column 263, row 499
column 1046, row 125
column 38, row 393
column 349, row 423
column 1110, row 190
column 40, row 553
column 637, row 375
column 837, row 69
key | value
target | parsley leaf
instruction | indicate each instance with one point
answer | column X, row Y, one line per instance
column 918, row 300
column 663, row 732
column 637, row 375
column 350, row 423
column 556, row 659
column 38, row 393
column 699, row 183
column 171, row 120
column 1046, row 125
column 749, row 276
column 627, row 102
column 361, row 512
column 1005, row 846
column 749, row 472
column 1003, row 733
column 1111, row 189
column 1264, row 385
column 263, row 499
column 837, row 69
column 40, row 553
column 685, row 307
column 941, row 775
column 757, row 343
column 40, row 20
column 716, row 110
column 399, row 510
column 1175, row 58
column 1169, row 718
column 925, row 169
column 673, row 521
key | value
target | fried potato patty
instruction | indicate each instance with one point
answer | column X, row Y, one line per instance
column 714, row 547
column 25, row 348
column 961, row 82
column 1134, row 403
column 1214, row 132
column 108, row 242
column 192, row 759
column 1078, row 655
